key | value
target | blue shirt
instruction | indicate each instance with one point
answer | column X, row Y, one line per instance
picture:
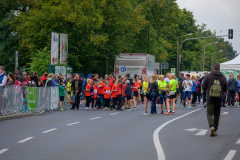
column 54, row 82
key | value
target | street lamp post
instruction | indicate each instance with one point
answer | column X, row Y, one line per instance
column 178, row 63
column 212, row 55
column 204, row 53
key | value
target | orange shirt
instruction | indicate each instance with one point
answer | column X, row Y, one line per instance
column 134, row 89
column 139, row 81
column 123, row 88
column 107, row 95
column 119, row 89
column 100, row 89
column 87, row 93
column 114, row 93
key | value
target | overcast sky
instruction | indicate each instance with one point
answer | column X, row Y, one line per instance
column 219, row 15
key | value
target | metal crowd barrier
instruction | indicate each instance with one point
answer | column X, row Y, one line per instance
column 19, row 99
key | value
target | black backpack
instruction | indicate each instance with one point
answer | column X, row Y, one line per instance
column 49, row 83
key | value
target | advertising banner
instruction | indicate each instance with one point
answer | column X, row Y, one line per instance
column 63, row 48
column 54, row 97
column 132, row 70
column 227, row 72
column 32, row 98
column 54, row 48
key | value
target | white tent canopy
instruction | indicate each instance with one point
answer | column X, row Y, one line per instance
column 231, row 67
column 232, row 64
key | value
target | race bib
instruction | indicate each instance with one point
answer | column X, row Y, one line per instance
column 95, row 91
column 171, row 93
column 108, row 91
column 187, row 89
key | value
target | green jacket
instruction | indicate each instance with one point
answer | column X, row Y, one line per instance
column 61, row 90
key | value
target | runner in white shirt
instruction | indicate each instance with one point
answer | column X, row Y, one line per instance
column 187, row 90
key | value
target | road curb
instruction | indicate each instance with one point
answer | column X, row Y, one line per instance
column 14, row 116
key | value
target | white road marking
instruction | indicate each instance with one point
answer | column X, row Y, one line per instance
column 73, row 123
column 191, row 130
column 158, row 146
column 225, row 113
column 24, row 140
column 230, row 155
column 50, row 130
column 238, row 142
column 3, row 150
column 202, row 132
column 113, row 114
column 95, row 118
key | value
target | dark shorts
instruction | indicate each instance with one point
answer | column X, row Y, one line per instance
column 129, row 97
column 172, row 96
column 135, row 93
column 61, row 98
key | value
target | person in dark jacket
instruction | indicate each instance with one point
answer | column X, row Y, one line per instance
column 128, row 92
column 153, row 86
column 181, row 79
column 232, row 88
column 214, row 103
column 77, row 90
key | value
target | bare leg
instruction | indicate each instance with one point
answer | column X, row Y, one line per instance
column 145, row 105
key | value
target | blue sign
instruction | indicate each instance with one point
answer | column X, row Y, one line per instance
column 197, row 72
column 188, row 71
column 123, row 69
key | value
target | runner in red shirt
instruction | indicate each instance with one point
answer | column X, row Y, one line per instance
column 87, row 93
column 124, row 94
column 101, row 94
column 119, row 94
column 114, row 94
column 94, row 94
column 107, row 95
column 135, row 93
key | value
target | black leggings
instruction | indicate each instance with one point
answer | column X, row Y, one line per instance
column 119, row 98
column 199, row 95
column 106, row 104
column 114, row 102
column 88, row 100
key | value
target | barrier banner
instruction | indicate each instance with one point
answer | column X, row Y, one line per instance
column 54, row 97
column 32, row 98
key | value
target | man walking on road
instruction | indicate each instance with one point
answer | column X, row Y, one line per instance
column 181, row 79
column 76, row 89
column 214, row 85
column 232, row 88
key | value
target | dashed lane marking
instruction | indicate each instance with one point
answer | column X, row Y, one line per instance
column 24, row 140
column 95, row 118
column 225, row 113
column 50, row 130
column 230, row 155
column 113, row 114
column 73, row 123
column 3, row 150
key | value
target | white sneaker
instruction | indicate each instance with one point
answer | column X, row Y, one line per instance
column 228, row 106
column 145, row 113
column 105, row 108
column 87, row 108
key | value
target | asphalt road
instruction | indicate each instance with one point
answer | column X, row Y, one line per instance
column 120, row 135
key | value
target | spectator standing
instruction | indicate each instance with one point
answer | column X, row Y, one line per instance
column 198, row 88
column 238, row 90
column 76, row 89
column 55, row 81
column 182, row 78
column 35, row 76
column 106, row 77
column 28, row 77
column 19, row 75
column 31, row 83
column 11, row 79
column 153, row 86
column 49, row 80
column 44, row 78
column 232, row 88
column 3, row 81
column 214, row 85
column 61, row 94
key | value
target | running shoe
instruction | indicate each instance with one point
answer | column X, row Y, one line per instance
column 161, row 112
column 168, row 113
column 135, row 108
column 105, row 108
column 145, row 113
column 189, row 107
column 182, row 106
column 61, row 109
column 212, row 132
column 86, row 108
column 173, row 112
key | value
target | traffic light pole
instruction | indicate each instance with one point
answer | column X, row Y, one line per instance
column 194, row 39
